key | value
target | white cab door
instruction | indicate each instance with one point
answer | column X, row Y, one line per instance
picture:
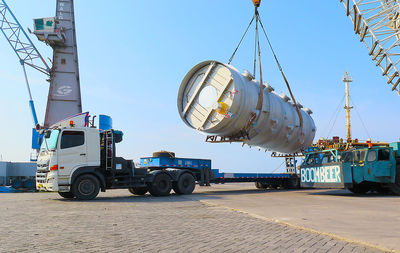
column 72, row 151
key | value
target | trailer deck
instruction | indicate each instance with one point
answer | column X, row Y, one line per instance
column 200, row 166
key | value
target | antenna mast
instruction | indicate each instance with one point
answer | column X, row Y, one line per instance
column 347, row 80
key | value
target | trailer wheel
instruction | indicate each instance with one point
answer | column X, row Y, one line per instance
column 360, row 188
column 86, row 187
column 395, row 187
column 161, row 185
column 185, row 184
column 138, row 190
column 67, row 195
column 292, row 183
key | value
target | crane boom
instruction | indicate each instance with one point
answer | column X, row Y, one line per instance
column 20, row 41
column 377, row 22
column 23, row 47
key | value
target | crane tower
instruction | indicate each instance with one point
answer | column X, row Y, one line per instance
column 64, row 99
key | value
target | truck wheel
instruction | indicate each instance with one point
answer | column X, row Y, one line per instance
column 86, row 187
column 259, row 185
column 138, row 190
column 185, row 184
column 382, row 189
column 161, row 185
column 360, row 188
column 67, row 195
column 395, row 187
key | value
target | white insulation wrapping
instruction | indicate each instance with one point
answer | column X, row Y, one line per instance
column 216, row 99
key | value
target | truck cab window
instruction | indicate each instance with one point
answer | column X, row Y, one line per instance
column 371, row 156
column 311, row 159
column 359, row 156
column 383, row 155
column 70, row 139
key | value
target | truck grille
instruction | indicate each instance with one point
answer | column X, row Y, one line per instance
column 41, row 173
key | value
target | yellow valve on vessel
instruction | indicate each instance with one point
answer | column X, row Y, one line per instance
column 222, row 108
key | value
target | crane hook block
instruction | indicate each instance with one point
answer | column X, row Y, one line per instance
column 257, row 3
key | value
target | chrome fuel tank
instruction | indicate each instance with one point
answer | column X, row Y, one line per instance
column 216, row 99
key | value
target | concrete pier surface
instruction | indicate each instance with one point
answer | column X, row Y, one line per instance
column 372, row 218
column 220, row 218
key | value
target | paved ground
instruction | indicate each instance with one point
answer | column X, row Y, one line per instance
column 372, row 219
column 120, row 222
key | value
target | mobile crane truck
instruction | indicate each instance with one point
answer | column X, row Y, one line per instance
column 364, row 167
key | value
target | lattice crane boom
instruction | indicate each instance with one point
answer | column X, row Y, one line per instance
column 377, row 22
column 20, row 41
column 23, row 47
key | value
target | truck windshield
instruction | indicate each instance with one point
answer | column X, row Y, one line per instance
column 347, row 156
column 50, row 143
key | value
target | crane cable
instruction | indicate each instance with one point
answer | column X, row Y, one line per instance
column 283, row 75
column 260, row 101
column 241, row 40
column 257, row 48
column 261, row 94
column 359, row 116
column 334, row 117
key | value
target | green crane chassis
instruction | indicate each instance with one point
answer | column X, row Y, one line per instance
column 358, row 170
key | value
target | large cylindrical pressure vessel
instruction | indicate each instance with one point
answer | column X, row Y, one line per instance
column 216, row 99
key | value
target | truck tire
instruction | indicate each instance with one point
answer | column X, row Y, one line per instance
column 161, row 185
column 360, row 189
column 67, row 195
column 164, row 154
column 185, row 184
column 86, row 187
column 395, row 187
column 138, row 190
column 382, row 189
column 259, row 185
column 29, row 184
column 16, row 184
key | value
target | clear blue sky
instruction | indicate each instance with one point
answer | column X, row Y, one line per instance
column 133, row 55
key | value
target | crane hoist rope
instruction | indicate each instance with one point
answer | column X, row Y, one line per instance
column 257, row 49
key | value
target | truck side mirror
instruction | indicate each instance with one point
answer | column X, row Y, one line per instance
column 47, row 134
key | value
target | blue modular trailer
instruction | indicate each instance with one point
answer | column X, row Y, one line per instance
column 231, row 176
column 169, row 162
column 201, row 170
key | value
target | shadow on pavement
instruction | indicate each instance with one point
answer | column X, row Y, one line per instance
column 217, row 194
column 346, row 193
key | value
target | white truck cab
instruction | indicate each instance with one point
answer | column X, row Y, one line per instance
column 78, row 161
column 63, row 151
